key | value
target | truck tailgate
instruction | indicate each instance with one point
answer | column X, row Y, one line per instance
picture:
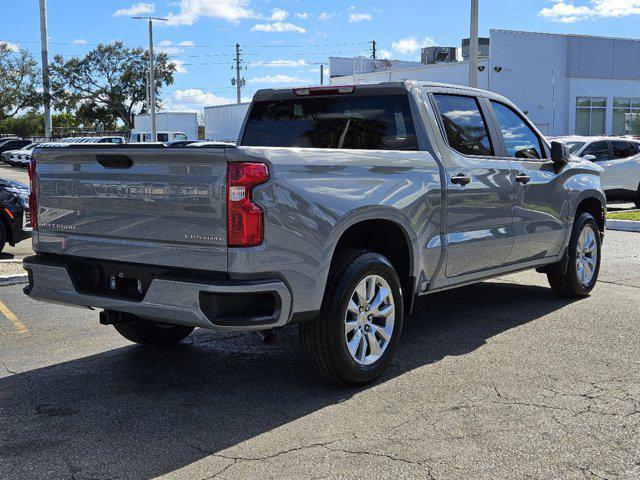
column 148, row 205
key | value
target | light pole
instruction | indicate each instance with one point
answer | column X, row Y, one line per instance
column 152, row 80
column 473, row 46
column 44, row 47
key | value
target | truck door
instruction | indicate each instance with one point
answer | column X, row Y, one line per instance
column 540, row 202
column 479, row 216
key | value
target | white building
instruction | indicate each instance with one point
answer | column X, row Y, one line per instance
column 567, row 84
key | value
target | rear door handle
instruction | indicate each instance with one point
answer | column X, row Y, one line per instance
column 522, row 178
column 461, row 179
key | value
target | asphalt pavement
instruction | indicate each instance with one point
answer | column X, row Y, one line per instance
column 496, row 380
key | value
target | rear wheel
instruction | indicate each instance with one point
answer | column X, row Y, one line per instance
column 355, row 337
column 583, row 265
column 145, row 332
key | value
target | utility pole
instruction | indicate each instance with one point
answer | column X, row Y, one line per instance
column 146, row 90
column 373, row 49
column 473, row 46
column 152, row 77
column 238, row 81
column 44, row 47
column 321, row 74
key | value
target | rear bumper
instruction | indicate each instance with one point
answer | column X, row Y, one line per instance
column 221, row 305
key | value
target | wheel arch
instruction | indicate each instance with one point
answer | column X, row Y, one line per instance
column 387, row 236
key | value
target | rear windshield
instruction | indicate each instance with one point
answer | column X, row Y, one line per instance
column 381, row 122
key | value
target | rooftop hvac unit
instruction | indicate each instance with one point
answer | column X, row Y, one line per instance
column 483, row 47
column 432, row 55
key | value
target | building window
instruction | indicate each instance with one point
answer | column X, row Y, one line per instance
column 626, row 116
column 590, row 115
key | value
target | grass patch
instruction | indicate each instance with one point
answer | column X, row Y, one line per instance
column 633, row 215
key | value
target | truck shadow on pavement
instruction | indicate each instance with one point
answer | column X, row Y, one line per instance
column 137, row 412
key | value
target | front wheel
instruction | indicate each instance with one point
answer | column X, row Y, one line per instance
column 355, row 337
column 583, row 265
column 145, row 332
column 3, row 235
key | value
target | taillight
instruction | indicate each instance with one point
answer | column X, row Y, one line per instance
column 33, row 204
column 245, row 219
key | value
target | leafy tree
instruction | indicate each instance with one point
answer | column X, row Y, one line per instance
column 19, row 82
column 31, row 124
column 110, row 79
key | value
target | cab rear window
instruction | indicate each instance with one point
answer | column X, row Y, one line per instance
column 381, row 122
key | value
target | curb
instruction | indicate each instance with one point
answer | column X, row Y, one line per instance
column 623, row 225
column 6, row 280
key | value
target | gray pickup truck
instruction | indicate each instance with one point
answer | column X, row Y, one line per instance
column 336, row 208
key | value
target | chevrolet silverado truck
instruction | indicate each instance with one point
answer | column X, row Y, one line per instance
column 335, row 209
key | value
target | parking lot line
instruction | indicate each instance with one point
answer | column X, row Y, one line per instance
column 19, row 326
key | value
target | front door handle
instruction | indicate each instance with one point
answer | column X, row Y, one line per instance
column 522, row 178
column 461, row 179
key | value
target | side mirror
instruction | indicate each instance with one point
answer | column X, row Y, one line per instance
column 591, row 158
column 559, row 153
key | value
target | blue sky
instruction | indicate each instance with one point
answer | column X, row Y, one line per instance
column 284, row 41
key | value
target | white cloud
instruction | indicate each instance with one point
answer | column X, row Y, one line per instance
column 193, row 97
column 180, row 68
column 302, row 15
column 278, row 15
column 359, row 17
column 173, row 48
column 190, row 11
column 386, row 54
column 566, row 11
column 279, row 63
column 278, row 79
column 277, row 27
column 326, row 16
column 136, row 9
column 409, row 45
column 79, row 41
column 11, row 46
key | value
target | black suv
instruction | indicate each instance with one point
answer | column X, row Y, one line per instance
column 12, row 144
column 15, row 223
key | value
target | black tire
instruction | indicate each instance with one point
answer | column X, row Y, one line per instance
column 3, row 235
column 565, row 282
column 323, row 340
column 145, row 332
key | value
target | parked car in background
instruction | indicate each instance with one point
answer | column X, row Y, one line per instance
column 338, row 206
column 21, row 157
column 106, row 139
column 13, row 144
column 14, row 212
column 620, row 159
column 138, row 137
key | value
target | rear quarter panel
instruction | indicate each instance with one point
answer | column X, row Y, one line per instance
column 314, row 195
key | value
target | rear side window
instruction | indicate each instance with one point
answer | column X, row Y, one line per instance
column 600, row 150
column 464, row 124
column 381, row 122
column 620, row 149
column 521, row 140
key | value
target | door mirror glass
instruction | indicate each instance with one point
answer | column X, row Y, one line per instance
column 591, row 158
column 559, row 153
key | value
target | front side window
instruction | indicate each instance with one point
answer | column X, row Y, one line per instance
column 600, row 150
column 626, row 116
column 520, row 139
column 464, row 124
column 380, row 122
column 590, row 115
column 573, row 147
column 620, row 149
